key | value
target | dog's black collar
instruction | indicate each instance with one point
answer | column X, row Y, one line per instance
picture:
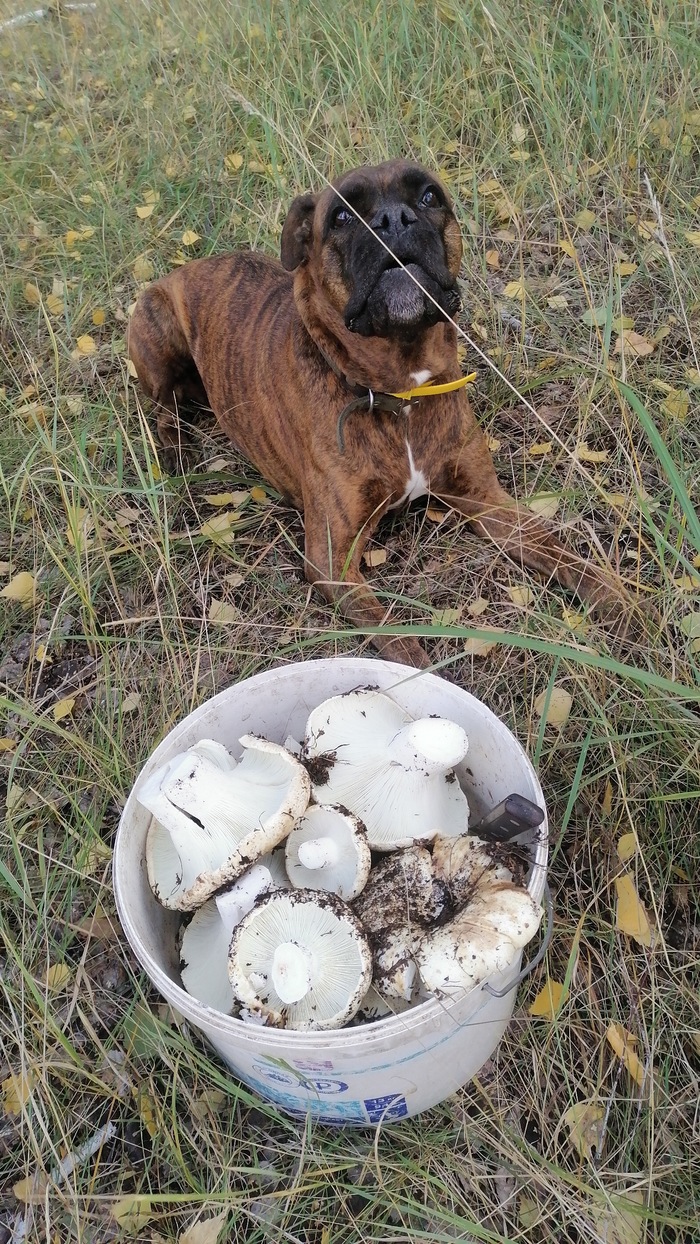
column 364, row 398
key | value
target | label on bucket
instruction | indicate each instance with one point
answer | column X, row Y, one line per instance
column 370, row 1110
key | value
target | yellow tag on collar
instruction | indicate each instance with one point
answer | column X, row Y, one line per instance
column 432, row 390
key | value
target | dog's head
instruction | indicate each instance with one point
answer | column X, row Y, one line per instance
column 352, row 235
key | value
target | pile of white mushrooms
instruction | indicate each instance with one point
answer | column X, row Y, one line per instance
column 331, row 881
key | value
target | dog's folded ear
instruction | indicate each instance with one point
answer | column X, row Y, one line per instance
column 296, row 232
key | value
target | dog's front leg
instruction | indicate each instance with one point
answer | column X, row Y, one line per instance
column 334, row 545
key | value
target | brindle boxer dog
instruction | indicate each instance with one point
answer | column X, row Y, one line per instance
column 299, row 363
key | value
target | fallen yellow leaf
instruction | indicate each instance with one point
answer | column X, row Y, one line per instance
column 585, row 219
column 63, row 708
column 218, row 528
column 475, row 647
column 233, row 161
column 205, row 1231
column 32, row 294
column 575, row 621
column 32, row 1189
column 637, row 345
column 98, row 317
column 493, row 444
column 584, row 1121
column 144, row 210
column 622, row 1043
column 521, row 595
column 86, row 344
column 22, row 588
column 630, row 916
column 554, row 705
column 478, row 607
column 693, row 236
column 132, row 1212
column 221, row 611
column 7, row 744
column 258, row 494
column 54, row 304
column 540, row 448
column 606, row 805
column 625, row 268
column 627, row 847
column 545, row 504
column 491, row 186
column 676, row 404
column 150, row 196
column 493, row 259
column 226, row 498
column 692, row 375
column 514, row 289
column 568, row 248
column 518, row 133
column 558, row 302
column 16, row 1091
column 189, row 237
column 549, row 1000
column 435, row 515
column 374, row 557
column 57, row 977
column 614, row 1223
column 131, row 702
column 143, row 269
column 584, row 454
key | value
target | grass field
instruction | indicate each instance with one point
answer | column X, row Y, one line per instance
column 135, row 135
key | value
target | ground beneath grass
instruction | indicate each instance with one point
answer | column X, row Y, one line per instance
column 135, row 136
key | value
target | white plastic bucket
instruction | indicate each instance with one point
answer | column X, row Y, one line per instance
column 392, row 1068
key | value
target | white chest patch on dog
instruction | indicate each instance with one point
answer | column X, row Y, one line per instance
column 420, row 377
column 416, row 484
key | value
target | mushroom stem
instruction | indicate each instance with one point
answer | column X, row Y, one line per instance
column 318, row 853
column 430, row 746
column 291, row 971
column 237, row 901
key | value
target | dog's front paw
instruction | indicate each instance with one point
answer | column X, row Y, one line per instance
column 404, row 649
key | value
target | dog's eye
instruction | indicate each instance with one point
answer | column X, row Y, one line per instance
column 430, row 198
column 343, row 216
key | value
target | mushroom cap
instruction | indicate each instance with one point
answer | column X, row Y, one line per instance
column 365, row 752
column 327, row 850
column 482, row 940
column 211, row 823
column 401, row 892
column 333, row 953
column 462, row 864
column 206, row 939
column 395, row 968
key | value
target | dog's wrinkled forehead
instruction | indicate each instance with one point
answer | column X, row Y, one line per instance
column 365, row 189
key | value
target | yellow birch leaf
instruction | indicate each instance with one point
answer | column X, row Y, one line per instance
column 623, row 1042
column 218, row 528
column 374, row 557
column 86, row 344
column 555, row 705
column 491, row 186
column 625, row 269
column 226, row 498
column 258, row 494
column 540, row 448
column 131, row 702
column 630, row 916
column 150, row 196
column 575, row 621
column 221, row 611
column 16, row 1091
column 521, row 595
column 478, row 607
column 637, row 345
column 54, row 304
column 627, row 847
column 71, row 237
column 475, row 647
column 434, row 515
column 233, row 161
column 606, row 805
column 22, row 587
column 584, row 1121
column 676, row 404
column 63, row 708
column 568, row 248
column 545, row 504
column 156, row 471
column 585, row 219
column 205, row 1231
column 493, row 259
column 7, row 744
column 31, row 1191
column 693, row 236
column 189, row 237
column 131, row 370
column 614, row 1223
column 144, row 210
column 57, row 976
column 255, row 166
column 493, row 444
column 558, row 302
column 514, row 289
column 549, row 1000
column 148, row 1110
column 143, row 269
column 584, row 454
column 692, row 375
column 132, row 1212
column 518, row 134
column 98, row 317
column 32, row 294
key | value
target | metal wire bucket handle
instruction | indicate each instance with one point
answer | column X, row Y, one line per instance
column 532, row 964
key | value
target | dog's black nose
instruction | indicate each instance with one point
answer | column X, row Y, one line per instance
column 392, row 219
